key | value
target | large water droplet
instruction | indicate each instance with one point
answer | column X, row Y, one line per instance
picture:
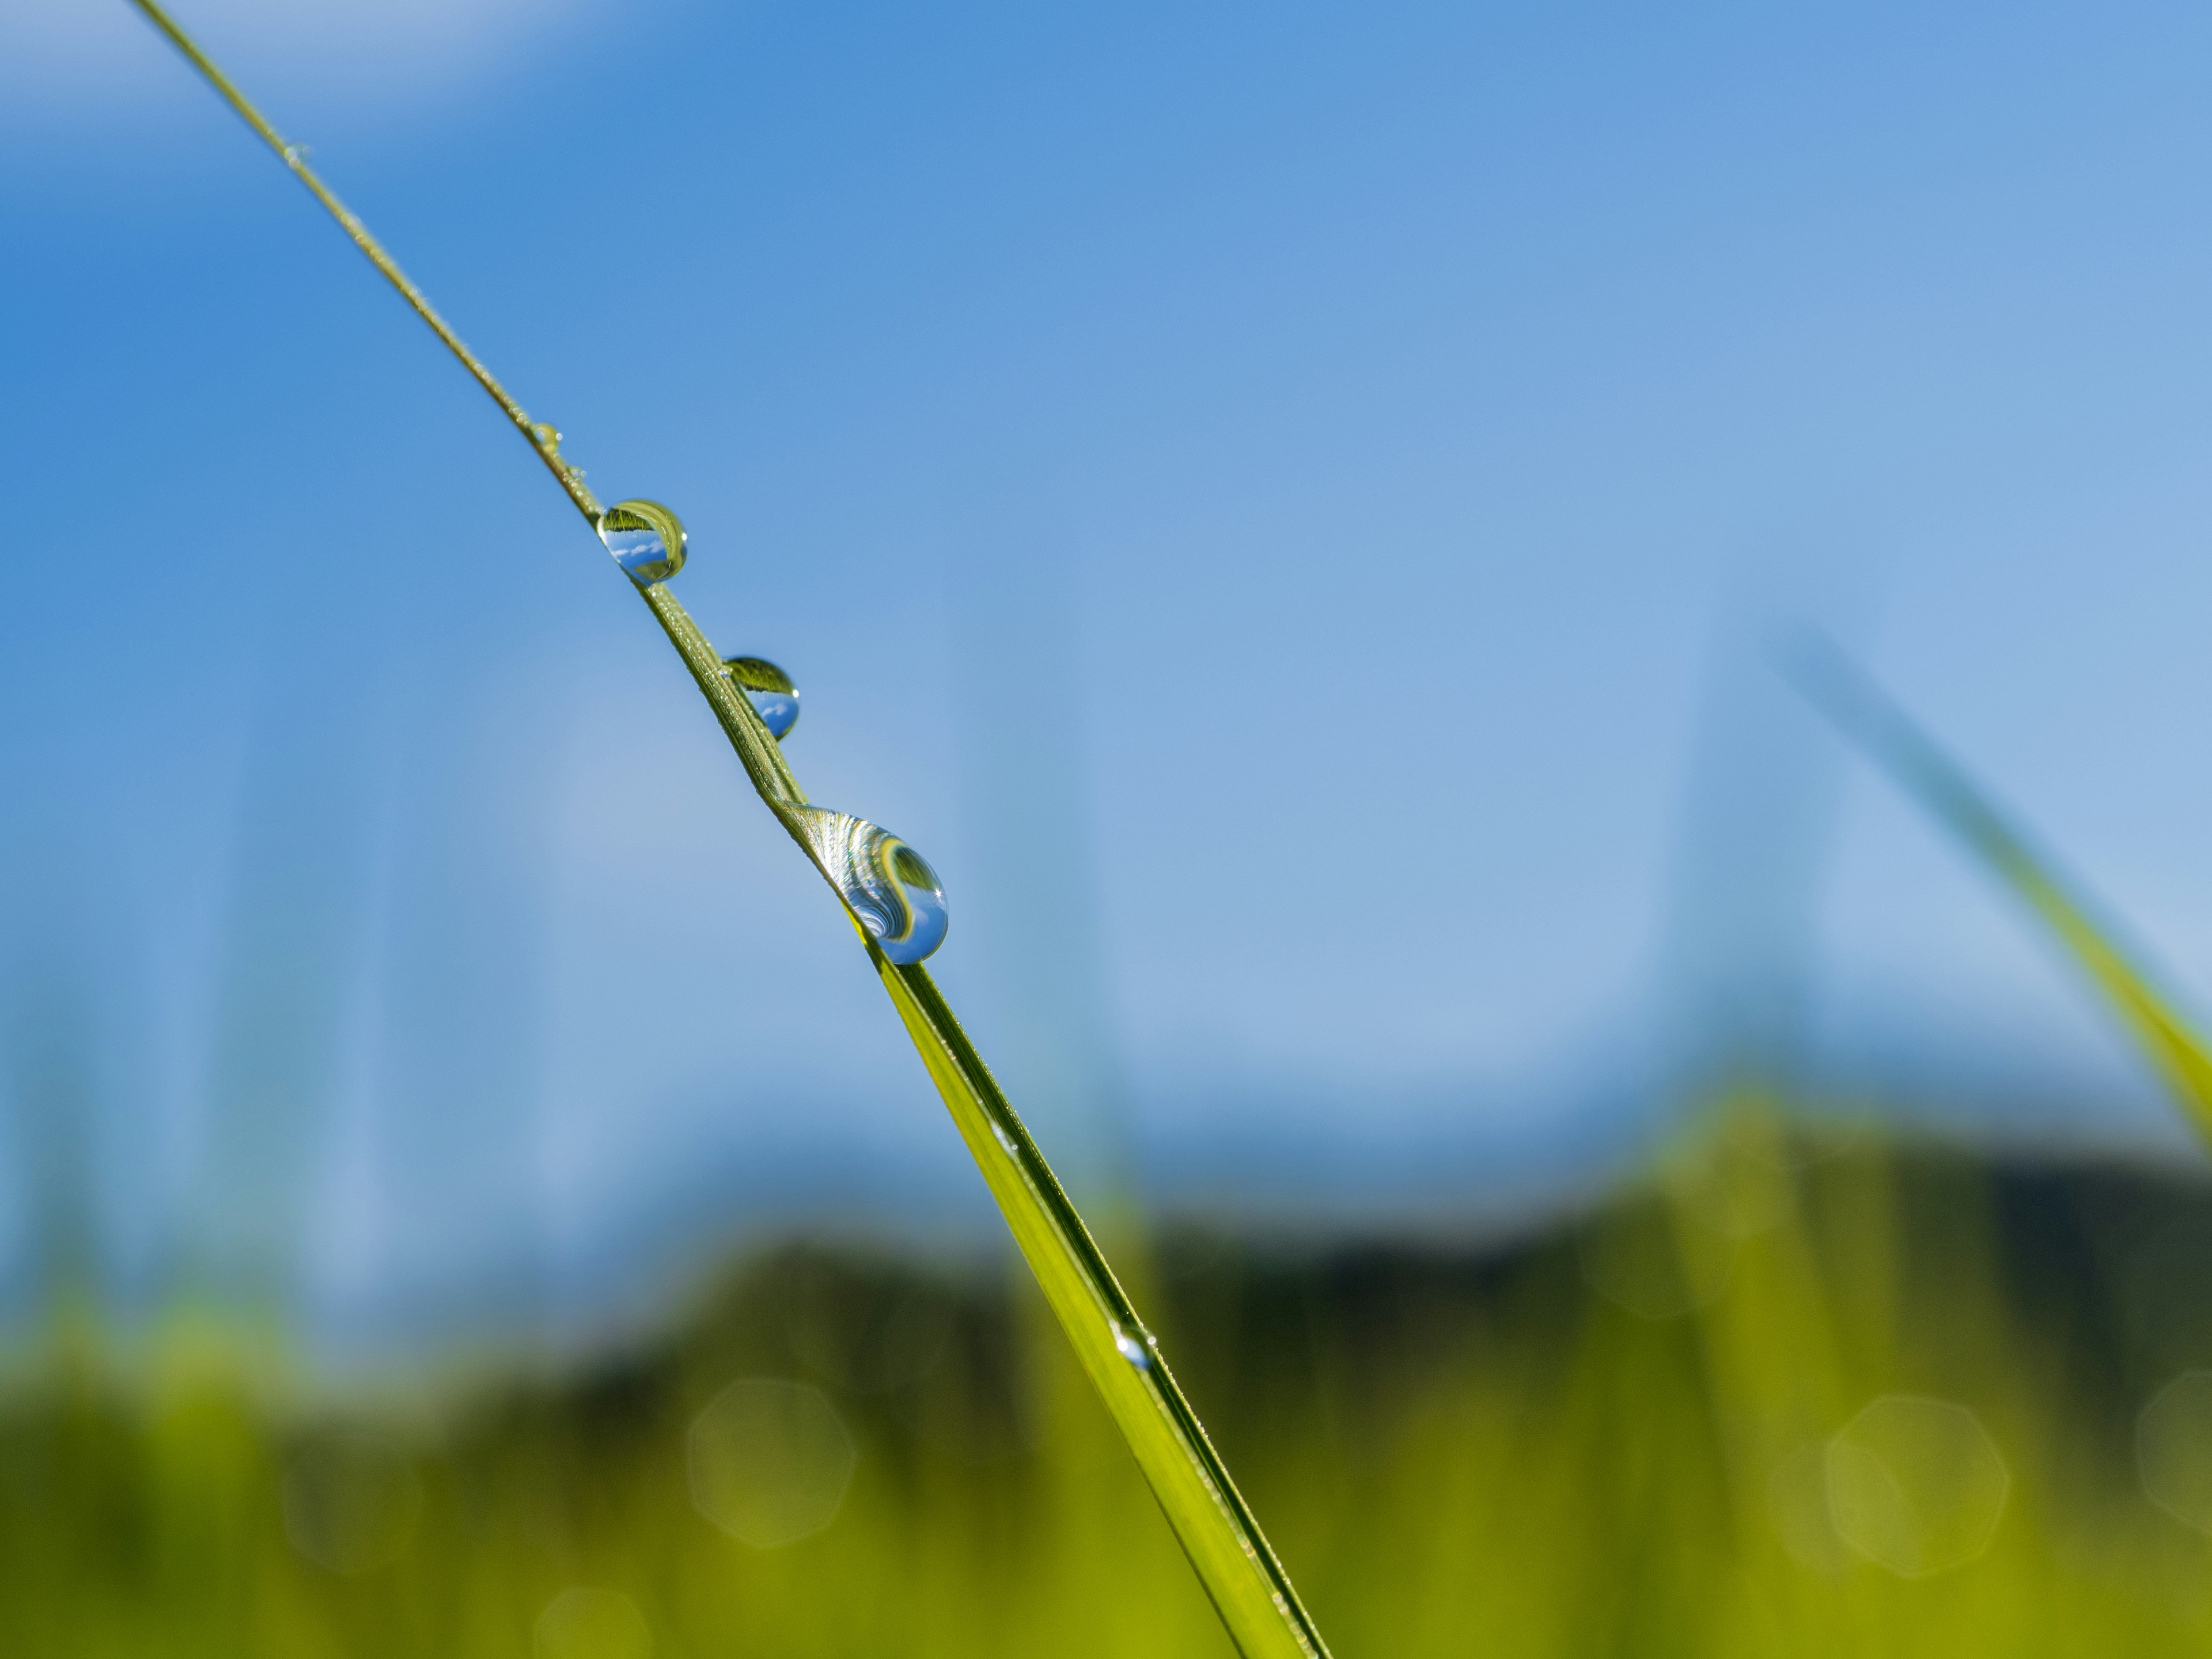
column 889, row 886
column 770, row 690
column 646, row 538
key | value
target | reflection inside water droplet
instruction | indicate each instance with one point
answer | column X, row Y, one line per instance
column 999, row 1134
column 646, row 538
column 1133, row 1348
column 889, row 885
column 769, row 690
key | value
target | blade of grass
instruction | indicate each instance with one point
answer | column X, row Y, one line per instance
column 1247, row 1583
column 1860, row 711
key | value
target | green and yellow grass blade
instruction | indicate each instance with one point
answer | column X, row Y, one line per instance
column 1248, row 1585
column 1890, row 738
column 1232, row 1558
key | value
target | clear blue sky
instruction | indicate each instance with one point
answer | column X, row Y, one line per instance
column 1304, row 457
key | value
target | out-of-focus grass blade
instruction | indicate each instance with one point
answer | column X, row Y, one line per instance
column 1860, row 711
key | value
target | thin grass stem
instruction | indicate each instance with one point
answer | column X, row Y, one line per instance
column 1217, row 1531
column 541, row 437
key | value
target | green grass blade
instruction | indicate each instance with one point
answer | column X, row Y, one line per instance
column 1248, row 1587
column 1232, row 1559
column 1931, row 777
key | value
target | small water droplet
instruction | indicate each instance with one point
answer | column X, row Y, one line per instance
column 296, row 154
column 1005, row 1140
column 1133, row 1349
column 548, row 434
column 769, row 690
column 646, row 538
column 889, row 886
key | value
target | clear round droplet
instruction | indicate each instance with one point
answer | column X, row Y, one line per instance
column 646, row 538
column 548, row 436
column 1132, row 1347
column 768, row 689
column 889, row 885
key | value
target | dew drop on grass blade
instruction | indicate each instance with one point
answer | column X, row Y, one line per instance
column 895, row 903
column 1862, row 712
column 774, row 697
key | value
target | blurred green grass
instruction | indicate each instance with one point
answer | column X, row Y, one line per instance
column 1460, row 1451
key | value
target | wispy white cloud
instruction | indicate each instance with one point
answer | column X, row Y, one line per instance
column 77, row 64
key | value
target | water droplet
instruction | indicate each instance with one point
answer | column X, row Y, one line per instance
column 296, row 154
column 772, row 694
column 1005, row 1140
column 548, row 434
column 646, row 538
column 889, row 886
column 1133, row 1349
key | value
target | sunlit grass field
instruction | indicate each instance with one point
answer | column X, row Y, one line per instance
column 1786, row 1395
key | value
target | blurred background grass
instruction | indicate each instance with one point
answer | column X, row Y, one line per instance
column 1791, row 1393
column 460, row 1193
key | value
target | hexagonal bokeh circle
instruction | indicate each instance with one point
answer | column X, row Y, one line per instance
column 1916, row 1485
column 586, row 1622
column 351, row 1499
column 2173, row 1448
column 1641, row 1258
column 769, row 1461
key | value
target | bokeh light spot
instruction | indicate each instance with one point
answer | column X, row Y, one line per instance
column 1916, row 1485
column 351, row 1500
column 1797, row 1504
column 866, row 1338
column 584, row 1622
column 1654, row 1261
column 2173, row 1448
column 769, row 1461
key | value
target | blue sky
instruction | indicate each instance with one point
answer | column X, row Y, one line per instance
column 1273, row 502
